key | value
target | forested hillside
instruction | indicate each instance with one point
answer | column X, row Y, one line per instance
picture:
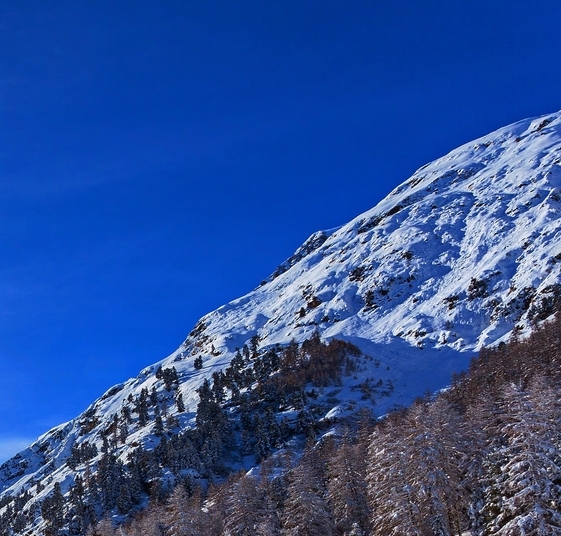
column 365, row 317
column 266, row 401
column 483, row 456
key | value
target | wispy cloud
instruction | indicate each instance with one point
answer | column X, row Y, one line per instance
column 10, row 446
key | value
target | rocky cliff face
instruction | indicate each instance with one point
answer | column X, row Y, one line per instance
column 460, row 255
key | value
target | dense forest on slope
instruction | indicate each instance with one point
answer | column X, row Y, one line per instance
column 265, row 400
column 484, row 456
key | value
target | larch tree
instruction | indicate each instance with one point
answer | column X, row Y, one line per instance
column 103, row 528
column 524, row 498
column 483, row 421
column 184, row 516
column 392, row 504
column 346, row 487
column 414, row 473
column 306, row 510
column 249, row 510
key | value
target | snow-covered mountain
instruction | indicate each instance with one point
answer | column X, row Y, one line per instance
column 461, row 254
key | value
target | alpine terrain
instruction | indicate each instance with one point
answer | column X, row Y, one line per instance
column 463, row 255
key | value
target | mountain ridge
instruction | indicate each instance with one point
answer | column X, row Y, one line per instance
column 461, row 254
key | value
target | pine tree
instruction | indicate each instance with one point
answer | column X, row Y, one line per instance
column 158, row 423
column 124, row 499
column 262, row 440
column 142, row 407
column 126, row 414
column 179, row 403
column 123, row 432
column 19, row 523
column 153, row 396
column 52, row 510
column 212, row 425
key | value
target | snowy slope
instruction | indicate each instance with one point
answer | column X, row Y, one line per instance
column 451, row 260
column 458, row 256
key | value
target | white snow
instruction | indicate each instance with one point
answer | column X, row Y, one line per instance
column 447, row 262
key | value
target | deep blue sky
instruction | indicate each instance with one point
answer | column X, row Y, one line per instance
column 160, row 158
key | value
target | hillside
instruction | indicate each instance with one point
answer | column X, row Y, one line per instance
column 481, row 458
column 457, row 257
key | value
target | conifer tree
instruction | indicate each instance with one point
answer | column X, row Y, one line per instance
column 52, row 510
column 249, row 510
column 184, row 516
column 414, row 473
column 179, row 403
column 158, row 423
column 153, row 396
column 306, row 508
column 482, row 426
column 394, row 509
column 103, row 528
column 524, row 495
column 347, row 489
column 142, row 407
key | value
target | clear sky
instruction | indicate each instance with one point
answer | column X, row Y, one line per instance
column 160, row 158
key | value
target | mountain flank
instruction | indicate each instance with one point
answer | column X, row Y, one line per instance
column 366, row 317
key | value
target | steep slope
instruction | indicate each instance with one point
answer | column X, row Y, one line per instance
column 451, row 260
column 458, row 256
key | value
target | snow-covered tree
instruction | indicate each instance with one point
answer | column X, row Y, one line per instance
column 391, row 498
column 306, row 508
column 524, row 494
column 249, row 510
column 179, row 402
column 414, row 473
column 184, row 516
column 346, row 488
column 482, row 421
column 52, row 510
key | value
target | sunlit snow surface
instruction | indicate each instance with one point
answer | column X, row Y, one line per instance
column 451, row 260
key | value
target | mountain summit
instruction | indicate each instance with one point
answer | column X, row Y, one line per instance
column 463, row 254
